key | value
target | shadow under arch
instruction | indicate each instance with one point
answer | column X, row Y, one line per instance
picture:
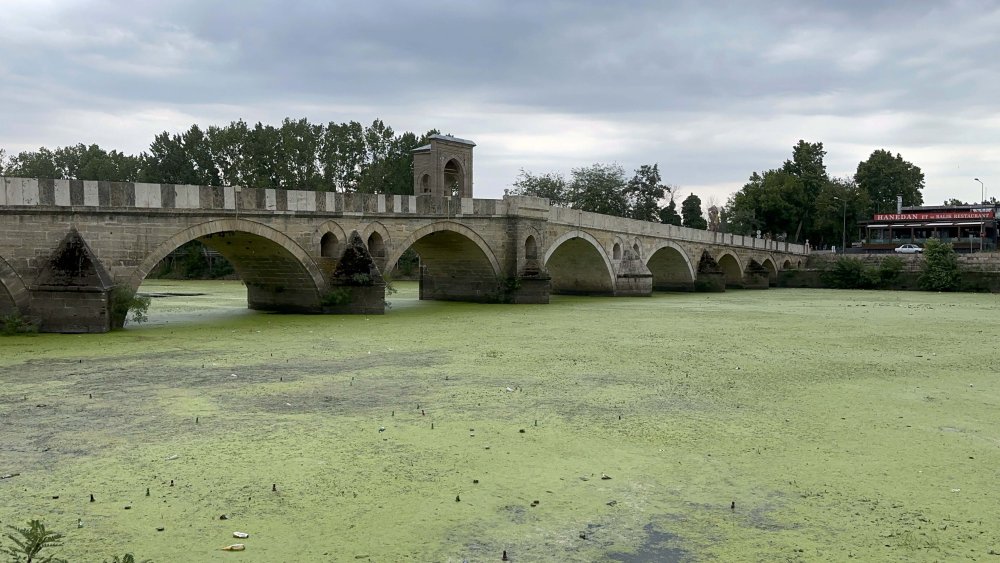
column 772, row 271
column 671, row 268
column 13, row 293
column 279, row 274
column 732, row 268
column 456, row 264
column 574, row 263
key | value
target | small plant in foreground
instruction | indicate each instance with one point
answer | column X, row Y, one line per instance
column 127, row 558
column 30, row 541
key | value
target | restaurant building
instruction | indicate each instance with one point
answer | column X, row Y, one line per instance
column 969, row 228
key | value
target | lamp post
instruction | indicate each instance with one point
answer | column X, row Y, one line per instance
column 982, row 228
column 843, row 231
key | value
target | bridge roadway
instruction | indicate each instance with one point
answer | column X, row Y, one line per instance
column 64, row 244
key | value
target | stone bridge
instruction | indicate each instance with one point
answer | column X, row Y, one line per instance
column 68, row 246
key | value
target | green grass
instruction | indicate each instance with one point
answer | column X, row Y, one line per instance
column 842, row 423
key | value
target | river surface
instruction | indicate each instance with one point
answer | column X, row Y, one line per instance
column 751, row 425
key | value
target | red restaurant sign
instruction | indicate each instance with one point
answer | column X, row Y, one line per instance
column 935, row 216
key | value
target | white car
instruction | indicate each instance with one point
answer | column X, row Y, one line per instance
column 909, row 249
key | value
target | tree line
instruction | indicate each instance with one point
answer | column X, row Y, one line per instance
column 344, row 157
column 605, row 188
column 797, row 201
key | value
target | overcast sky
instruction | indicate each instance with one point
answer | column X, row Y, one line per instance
column 711, row 91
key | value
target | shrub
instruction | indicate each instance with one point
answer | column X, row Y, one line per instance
column 889, row 270
column 940, row 267
column 16, row 324
column 850, row 273
column 123, row 302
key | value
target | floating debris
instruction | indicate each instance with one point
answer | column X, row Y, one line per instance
column 241, row 535
column 235, row 547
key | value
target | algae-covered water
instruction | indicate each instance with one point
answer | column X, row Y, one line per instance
column 774, row 425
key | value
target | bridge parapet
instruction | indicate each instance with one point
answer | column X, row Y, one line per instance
column 101, row 196
column 597, row 221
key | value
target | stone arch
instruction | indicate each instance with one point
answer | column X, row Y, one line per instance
column 637, row 248
column 328, row 246
column 279, row 274
column 732, row 269
column 772, row 271
column 376, row 232
column 451, row 226
column 574, row 263
column 530, row 248
column 456, row 263
column 616, row 251
column 798, row 264
column 671, row 268
column 454, row 178
column 329, row 228
column 787, row 265
column 425, row 184
column 13, row 293
column 376, row 245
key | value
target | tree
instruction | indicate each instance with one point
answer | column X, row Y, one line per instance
column 691, row 214
column 838, row 206
column 37, row 164
column 600, row 188
column 783, row 200
column 644, row 192
column 884, row 177
column 669, row 215
column 343, row 155
column 551, row 186
column 299, row 166
column 954, row 201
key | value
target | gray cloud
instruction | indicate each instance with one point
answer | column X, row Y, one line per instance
column 710, row 90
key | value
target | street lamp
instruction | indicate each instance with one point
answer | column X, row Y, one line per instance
column 982, row 189
column 843, row 235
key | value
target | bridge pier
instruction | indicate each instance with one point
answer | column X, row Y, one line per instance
column 633, row 278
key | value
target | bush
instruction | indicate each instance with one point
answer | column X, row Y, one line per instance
column 123, row 302
column 16, row 324
column 889, row 270
column 852, row 273
column 940, row 267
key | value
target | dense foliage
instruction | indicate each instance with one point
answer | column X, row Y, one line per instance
column 852, row 273
column 346, row 157
column 604, row 188
column 883, row 177
column 940, row 272
column 798, row 201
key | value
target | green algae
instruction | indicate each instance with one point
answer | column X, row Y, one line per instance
column 842, row 424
